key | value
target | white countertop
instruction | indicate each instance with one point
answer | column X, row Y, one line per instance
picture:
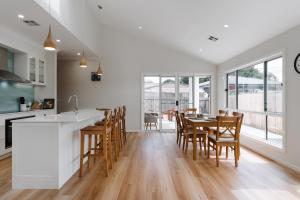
column 26, row 112
column 65, row 117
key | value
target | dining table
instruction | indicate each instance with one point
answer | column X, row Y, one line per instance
column 200, row 122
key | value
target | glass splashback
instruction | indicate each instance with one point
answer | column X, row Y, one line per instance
column 10, row 93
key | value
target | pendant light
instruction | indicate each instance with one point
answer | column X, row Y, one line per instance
column 99, row 71
column 83, row 61
column 49, row 43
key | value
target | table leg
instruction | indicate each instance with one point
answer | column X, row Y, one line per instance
column 194, row 142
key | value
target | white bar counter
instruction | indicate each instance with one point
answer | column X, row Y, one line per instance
column 46, row 149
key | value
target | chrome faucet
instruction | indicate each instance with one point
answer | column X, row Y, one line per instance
column 76, row 105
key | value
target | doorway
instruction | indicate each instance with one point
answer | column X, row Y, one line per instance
column 165, row 94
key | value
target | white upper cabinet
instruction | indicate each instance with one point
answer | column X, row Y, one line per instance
column 41, row 72
column 32, row 69
column 37, row 71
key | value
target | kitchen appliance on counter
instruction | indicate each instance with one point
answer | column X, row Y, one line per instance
column 23, row 106
column 8, row 130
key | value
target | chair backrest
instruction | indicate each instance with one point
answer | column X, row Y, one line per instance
column 108, row 121
column 240, row 119
column 184, row 121
column 223, row 112
column 178, row 120
column 230, row 123
column 124, row 118
column 190, row 111
column 115, row 117
column 120, row 114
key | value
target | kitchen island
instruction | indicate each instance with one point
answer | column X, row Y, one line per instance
column 46, row 149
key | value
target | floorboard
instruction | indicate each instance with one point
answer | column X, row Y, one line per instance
column 152, row 167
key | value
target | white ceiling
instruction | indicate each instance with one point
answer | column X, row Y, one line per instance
column 186, row 24
column 69, row 45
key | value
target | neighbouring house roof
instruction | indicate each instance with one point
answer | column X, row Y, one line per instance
column 251, row 81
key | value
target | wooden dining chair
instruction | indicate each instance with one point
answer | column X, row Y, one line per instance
column 240, row 122
column 212, row 129
column 179, row 129
column 188, row 135
column 227, row 132
column 218, row 139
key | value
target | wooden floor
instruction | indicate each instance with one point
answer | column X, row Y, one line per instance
column 152, row 167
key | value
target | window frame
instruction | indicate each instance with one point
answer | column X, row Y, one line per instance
column 265, row 111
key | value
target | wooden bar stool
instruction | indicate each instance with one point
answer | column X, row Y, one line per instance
column 120, row 134
column 123, row 125
column 104, row 132
column 115, row 134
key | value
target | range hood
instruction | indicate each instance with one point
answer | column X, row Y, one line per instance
column 6, row 75
column 9, row 76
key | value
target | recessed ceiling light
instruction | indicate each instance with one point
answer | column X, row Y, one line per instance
column 21, row 16
column 200, row 50
column 226, row 26
column 78, row 54
column 140, row 27
column 58, row 40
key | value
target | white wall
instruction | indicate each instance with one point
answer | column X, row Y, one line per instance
column 289, row 44
column 124, row 60
column 76, row 17
column 11, row 39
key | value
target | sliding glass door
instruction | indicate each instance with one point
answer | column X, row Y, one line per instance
column 185, row 92
column 168, row 102
column 164, row 95
column 151, row 102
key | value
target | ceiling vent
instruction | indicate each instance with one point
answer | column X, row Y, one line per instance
column 31, row 23
column 213, row 38
column 99, row 7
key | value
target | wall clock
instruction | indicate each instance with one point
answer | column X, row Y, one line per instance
column 297, row 64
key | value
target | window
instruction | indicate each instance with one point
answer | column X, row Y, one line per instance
column 251, row 88
column 257, row 91
column 274, row 85
column 231, row 88
column 202, row 95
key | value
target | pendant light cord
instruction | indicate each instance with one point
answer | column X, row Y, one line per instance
column 49, row 9
column 49, row 12
column 85, row 23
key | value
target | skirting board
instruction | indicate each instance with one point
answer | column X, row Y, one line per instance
column 5, row 156
column 133, row 131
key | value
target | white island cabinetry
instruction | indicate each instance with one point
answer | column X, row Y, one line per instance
column 46, row 150
column 3, row 151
